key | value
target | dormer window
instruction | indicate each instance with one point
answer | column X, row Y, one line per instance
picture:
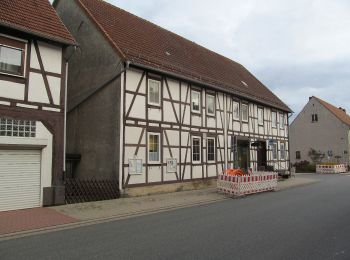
column 11, row 56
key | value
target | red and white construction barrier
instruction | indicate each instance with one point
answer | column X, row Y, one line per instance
column 248, row 184
column 338, row 168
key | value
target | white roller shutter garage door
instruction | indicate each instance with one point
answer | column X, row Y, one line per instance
column 19, row 179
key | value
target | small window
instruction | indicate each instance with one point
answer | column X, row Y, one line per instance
column 17, row 128
column 297, row 155
column 314, row 118
column 211, row 149
column 244, row 112
column 274, row 119
column 283, row 151
column 211, row 105
column 235, row 110
column 154, row 147
column 274, row 151
column 260, row 116
column 196, row 149
column 154, row 92
column 281, row 121
column 195, row 101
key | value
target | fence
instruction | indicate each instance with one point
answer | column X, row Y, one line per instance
column 324, row 168
column 78, row 191
column 248, row 184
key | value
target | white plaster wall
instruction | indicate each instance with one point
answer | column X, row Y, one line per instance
column 11, row 90
column 55, row 88
column 51, row 56
column 37, row 91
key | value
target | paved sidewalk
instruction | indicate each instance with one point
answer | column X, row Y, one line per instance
column 68, row 216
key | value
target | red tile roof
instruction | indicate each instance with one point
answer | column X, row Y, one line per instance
column 36, row 17
column 339, row 113
column 145, row 43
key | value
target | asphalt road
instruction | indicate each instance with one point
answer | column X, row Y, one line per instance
column 308, row 222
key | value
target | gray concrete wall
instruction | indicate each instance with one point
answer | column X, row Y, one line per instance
column 329, row 133
column 93, row 127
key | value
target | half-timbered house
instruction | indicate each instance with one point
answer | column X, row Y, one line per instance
column 33, row 69
column 147, row 106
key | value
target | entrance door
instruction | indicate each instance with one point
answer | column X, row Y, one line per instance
column 261, row 150
column 243, row 154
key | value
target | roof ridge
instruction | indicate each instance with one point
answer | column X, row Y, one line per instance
column 101, row 28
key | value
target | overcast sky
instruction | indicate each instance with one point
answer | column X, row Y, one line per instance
column 296, row 48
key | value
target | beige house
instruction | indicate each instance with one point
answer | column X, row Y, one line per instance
column 323, row 127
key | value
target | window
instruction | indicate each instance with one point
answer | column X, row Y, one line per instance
column 245, row 112
column 274, row 119
column 196, row 149
column 260, row 116
column 281, row 121
column 314, row 118
column 211, row 105
column 297, row 155
column 154, row 147
column 154, row 92
column 274, row 151
column 195, row 101
column 235, row 110
column 283, row 151
column 12, row 53
column 211, row 149
column 17, row 128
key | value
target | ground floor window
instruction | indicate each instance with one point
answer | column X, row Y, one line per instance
column 274, row 151
column 283, row 151
column 297, row 155
column 17, row 128
column 154, row 147
column 196, row 149
column 211, row 149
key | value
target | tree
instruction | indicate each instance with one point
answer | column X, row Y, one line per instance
column 315, row 156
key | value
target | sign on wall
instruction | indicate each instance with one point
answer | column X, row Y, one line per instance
column 135, row 166
column 171, row 165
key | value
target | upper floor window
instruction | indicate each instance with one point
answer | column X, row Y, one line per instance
column 12, row 56
column 154, row 147
column 260, row 116
column 314, row 118
column 195, row 101
column 281, row 121
column 235, row 110
column 244, row 112
column 154, row 92
column 274, row 119
column 211, row 105
column 17, row 128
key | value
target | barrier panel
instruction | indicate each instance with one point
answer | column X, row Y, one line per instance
column 247, row 184
column 324, row 168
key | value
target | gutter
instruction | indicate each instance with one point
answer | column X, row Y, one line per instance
column 203, row 84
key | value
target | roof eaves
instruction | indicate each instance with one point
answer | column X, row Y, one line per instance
column 37, row 33
column 104, row 32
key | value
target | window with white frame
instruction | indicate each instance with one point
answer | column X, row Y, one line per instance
column 281, row 121
column 283, row 151
column 154, row 92
column 235, row 110
column 244, row 112
column 210, row 105
column 260, row 116
column 195, row 101
column 12, row 53
column 196, row 149
column 154, row 147
column 211, row 149
column 274, row 119
column 274, row 149
column 17, row 128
